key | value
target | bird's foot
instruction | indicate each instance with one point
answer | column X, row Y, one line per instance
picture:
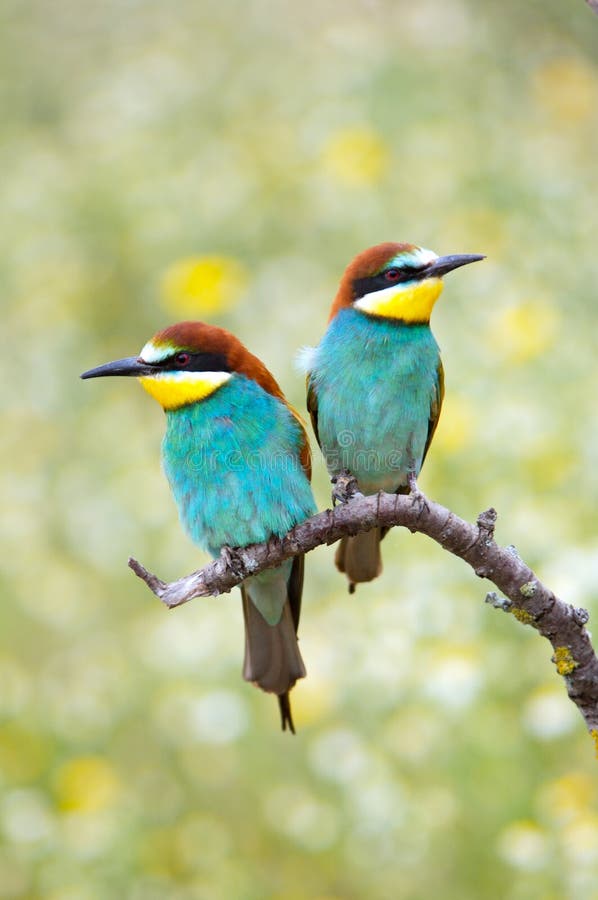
column 344, row 487
column 416, row 495
column 230, row 558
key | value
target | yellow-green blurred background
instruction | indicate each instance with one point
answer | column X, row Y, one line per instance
column 225, row 160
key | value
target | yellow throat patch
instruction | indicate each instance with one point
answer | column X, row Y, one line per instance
column 410, row 302
column 175, row 389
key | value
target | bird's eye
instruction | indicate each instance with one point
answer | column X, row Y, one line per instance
column 182, row 360
column 392, row 275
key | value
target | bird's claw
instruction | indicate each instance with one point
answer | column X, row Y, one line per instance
column 344, row 488
column 230, row 558
column 417, row 498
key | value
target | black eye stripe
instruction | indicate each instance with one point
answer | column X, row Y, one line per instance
column 373, row 283
column 198, row 362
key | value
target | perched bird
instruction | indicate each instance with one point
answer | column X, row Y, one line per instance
column 237, row 458
column 375, row 383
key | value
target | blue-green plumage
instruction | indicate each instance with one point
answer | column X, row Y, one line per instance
column 377, row 382
column 233, row 464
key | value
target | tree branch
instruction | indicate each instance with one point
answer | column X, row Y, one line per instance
column 531, row 602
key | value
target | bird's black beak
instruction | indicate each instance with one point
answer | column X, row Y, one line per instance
column 445, row 264
column 131, row 366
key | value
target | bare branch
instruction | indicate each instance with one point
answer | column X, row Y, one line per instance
column 531, row 602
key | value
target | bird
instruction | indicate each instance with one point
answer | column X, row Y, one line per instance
column 237, row 458
column 375, row 382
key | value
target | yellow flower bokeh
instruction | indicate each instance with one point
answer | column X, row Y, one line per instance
column 356, row 156
column 203, row 285
column 87, row 784
column 456, row 425
column 314, row 702
column 569, row 797
column 567, row 89
column 524, row 331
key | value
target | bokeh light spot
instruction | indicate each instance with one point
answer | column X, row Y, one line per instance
column 549, row 714
column 523, row 845
column 219, row 717
column 456, row 425
column 525, row 331
column 567, row 88
column 87, row 784
column 356, row 156
column 203, row 285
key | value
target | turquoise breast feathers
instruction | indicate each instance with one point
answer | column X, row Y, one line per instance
column 237, row 441
column 375, row 381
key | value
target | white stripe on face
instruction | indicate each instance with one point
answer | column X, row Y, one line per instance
column 417, row 257
column 151, row 353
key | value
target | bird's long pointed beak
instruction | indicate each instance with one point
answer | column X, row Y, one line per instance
column 131, row 366
column 445, row 264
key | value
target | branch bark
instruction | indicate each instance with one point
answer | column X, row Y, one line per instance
column 530, row 601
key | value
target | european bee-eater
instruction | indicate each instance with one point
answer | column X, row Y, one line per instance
column 237, row 458
column 375, row 382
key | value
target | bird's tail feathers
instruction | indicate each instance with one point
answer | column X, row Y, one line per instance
column 359, row 557
column 272, row 658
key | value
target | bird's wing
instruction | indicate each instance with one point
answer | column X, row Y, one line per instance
column 435, row 407
column 312, row 405
column 305, row 449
